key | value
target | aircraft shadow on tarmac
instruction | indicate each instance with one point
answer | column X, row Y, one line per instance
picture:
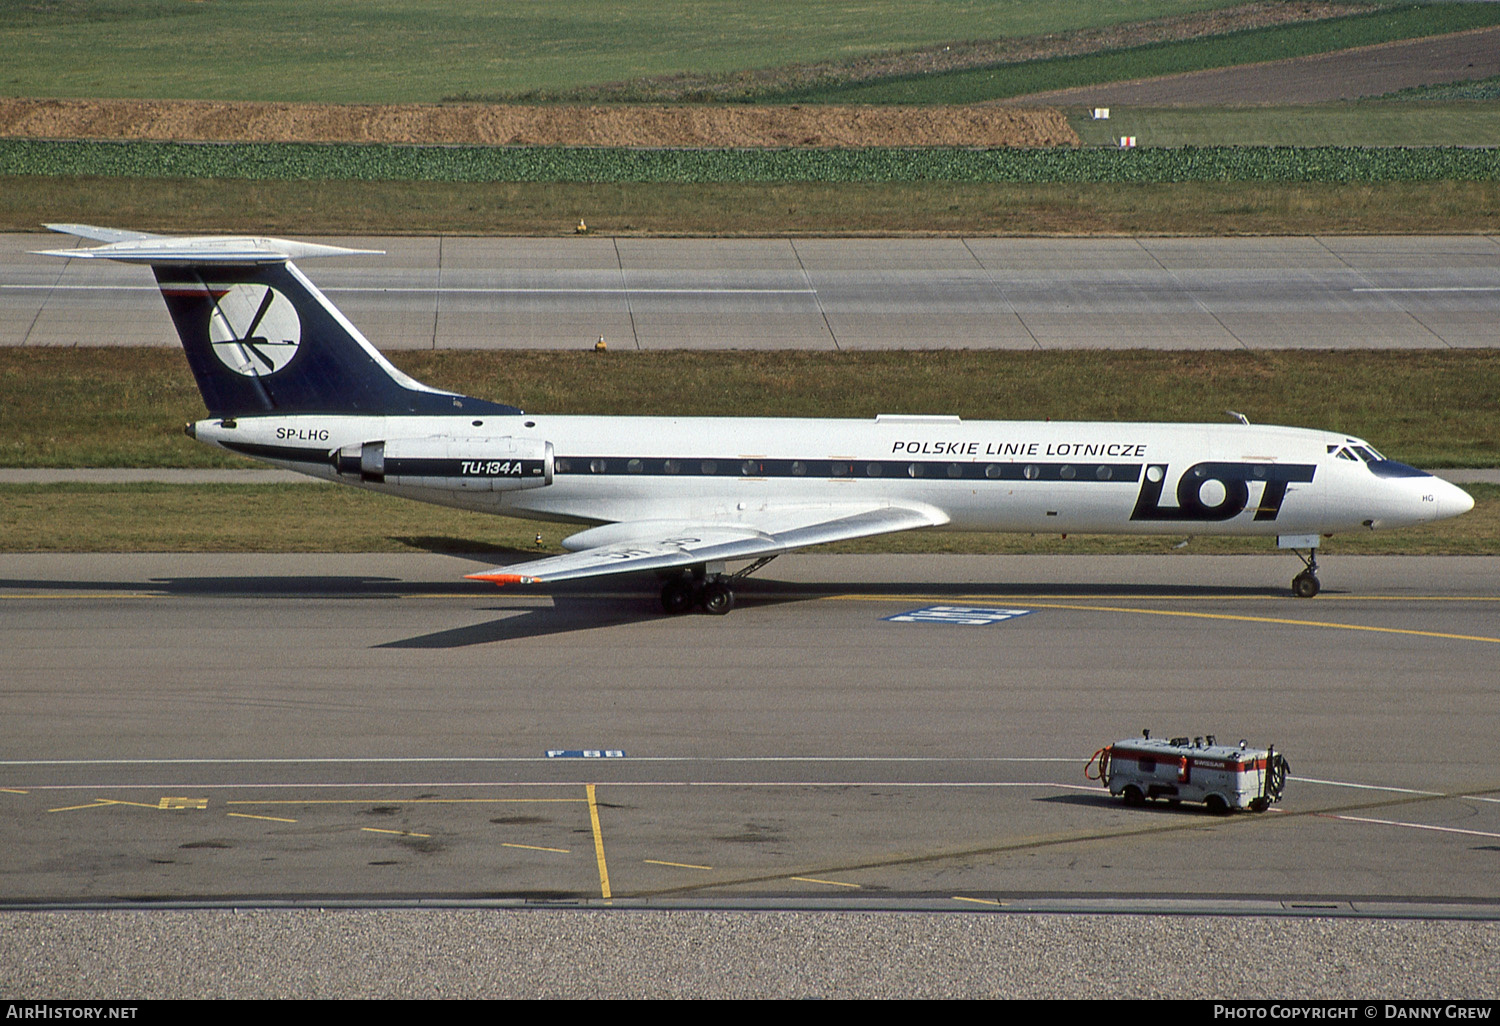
column 595, row 604
column 288, row 586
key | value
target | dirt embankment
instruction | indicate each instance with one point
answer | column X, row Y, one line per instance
column 487, row 124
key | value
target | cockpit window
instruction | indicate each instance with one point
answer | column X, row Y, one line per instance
column 1345, row 454
column 1367, row 454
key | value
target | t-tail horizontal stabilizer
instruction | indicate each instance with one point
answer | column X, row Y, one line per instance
column 260, row 337
column 146, row 248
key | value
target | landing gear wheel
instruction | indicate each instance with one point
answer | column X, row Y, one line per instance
column 1305, row 584
column 718, row 598
column 677, row 596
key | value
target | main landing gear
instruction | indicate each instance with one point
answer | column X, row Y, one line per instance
column 1305, row 584
column 681, row 594
column 711, row 592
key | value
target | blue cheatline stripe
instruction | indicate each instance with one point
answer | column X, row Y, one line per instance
column 1126, row 473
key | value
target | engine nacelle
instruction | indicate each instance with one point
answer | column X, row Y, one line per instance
column 455, row 464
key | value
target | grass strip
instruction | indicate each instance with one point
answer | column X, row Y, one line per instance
column 393, row 51
column 302, row 518
column 1432, row 408
column 977, row 85
column 756, row 210
column 1385, row 123
column 262, row 161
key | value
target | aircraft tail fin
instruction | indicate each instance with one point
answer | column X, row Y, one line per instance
column 260, row 337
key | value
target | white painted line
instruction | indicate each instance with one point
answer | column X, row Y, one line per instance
column 1452, row 288
column 452, row 290
column 530, row 758
column 321, row 785
column 1412, row 826
column 1364, row 787
column 1397, row 790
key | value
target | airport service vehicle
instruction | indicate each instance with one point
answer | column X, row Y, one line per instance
column 1221, row 777
column 287, row 379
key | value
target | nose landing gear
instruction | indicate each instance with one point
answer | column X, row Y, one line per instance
column 1306, row 584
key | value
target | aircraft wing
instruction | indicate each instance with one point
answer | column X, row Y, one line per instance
column 671, row 544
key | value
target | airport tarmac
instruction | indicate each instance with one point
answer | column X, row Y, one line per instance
column 1365, row 292
column 241, row 729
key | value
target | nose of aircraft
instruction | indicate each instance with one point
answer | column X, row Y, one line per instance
column 1452, row 500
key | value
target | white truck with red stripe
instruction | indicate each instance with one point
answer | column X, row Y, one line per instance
column 1222, row 777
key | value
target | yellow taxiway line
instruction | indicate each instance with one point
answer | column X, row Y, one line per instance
column 1287, row 621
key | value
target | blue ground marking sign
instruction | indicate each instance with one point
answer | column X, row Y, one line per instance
column 585, row 753
column 969, row 616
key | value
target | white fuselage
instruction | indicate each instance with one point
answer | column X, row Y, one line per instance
column 1029, row 476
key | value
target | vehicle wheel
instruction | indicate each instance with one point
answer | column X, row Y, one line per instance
column 1305, row 585
column 718, row 598
column 1133, row 796
column 1216, row 804
column 677, row 596
column 1259, row 804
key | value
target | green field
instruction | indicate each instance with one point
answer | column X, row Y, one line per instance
column 269, row 161
column 977, row 85
column 1375, row 123
column 1479, row 89
column 757, row 211
column 125, row 408
column 388, row 51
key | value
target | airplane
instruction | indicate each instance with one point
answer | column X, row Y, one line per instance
column 288, row 380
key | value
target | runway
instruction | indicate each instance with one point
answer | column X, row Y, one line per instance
column 223, row 729
column 836, row 294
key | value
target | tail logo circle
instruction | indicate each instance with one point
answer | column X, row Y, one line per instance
column 254, row 330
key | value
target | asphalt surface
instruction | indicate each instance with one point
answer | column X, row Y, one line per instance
column 400, row 716
column 238, row 732
column 1184, row 293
